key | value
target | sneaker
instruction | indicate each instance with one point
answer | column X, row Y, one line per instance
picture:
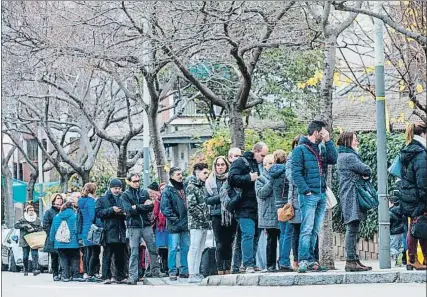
column 65, row 280
column 193, row 279
column 303, row 266
column 36, row 272
column 173, row 277
column 25, row 273
column 235, row 272
column 316, row 267
column 158, row 274
column 114, row 281
column 256, row 268
column 200, row 276
column 285, row 269
column 107, row 282
column 272, row 270
column 250, row 270
column 78, row 279
column 123, row 281
column 132, row 282
column 184, row 275
column 85, row 276
column 56, row 278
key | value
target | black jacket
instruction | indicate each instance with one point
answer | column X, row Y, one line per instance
column 174, row 208
column 139, row 217
column 113, row 222
column 413, row 186
column 47, row 224
column 214, row 201
column 396, row 220
column 239, row 177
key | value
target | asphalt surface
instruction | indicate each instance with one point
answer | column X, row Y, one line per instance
column 17, row 285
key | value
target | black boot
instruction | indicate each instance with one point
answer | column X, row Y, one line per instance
column 25, row 267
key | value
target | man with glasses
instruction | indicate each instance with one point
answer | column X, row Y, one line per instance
column 243, row 174
column 173, row 205
column 137, row 206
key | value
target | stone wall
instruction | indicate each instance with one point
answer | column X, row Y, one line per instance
column 367, row 250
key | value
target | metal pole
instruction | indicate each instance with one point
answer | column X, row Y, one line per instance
column 146, row 99
column 40, row 161
column 383, row 216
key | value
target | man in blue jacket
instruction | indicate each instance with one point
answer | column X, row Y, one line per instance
column 309, row 169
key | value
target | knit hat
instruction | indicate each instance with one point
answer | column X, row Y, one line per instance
column 29, row 206
column 154, row 186
column 116, row 183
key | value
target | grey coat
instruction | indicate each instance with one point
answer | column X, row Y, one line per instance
column 293, row 191
column 267, row 213
column 350, row 170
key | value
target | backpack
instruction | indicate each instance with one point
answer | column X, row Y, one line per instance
column 63, row 233
column 208, row 262
column 79, row 222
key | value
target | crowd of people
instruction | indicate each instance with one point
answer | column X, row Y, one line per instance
column 238, row 199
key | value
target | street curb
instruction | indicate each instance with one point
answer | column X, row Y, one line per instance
column 319, row 278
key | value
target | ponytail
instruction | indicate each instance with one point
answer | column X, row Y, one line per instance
column 414, row 129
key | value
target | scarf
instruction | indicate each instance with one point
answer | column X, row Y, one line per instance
column 211, row 183
column 29, row 218
column 343, row 149
column 420, row 140
column 177, row 185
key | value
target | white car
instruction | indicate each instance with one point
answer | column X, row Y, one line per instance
column 11, row 253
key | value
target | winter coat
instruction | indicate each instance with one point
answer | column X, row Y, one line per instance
column 214, row 201
column 112, row 222
column 24, row 226
column 293, row 193
column 280, row 185
column 47, row 224
column 239, row 177
column 351, row 169
column 198, row 210
column 396, row 220
column 158, row 217
column 174, row 208
column 141, row 216
column 413, row 186
column 87, row 207
column 306, row 172
column 70, row 217
column 267, row 212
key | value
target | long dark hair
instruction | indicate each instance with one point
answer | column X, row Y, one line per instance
column 346, row 139
column 414, row 129
column 66, row 205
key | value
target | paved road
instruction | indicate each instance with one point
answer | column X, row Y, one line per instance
column 16, row 285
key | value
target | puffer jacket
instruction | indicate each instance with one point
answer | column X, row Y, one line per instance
column 306, row 172
column 413, row 186
column 280, row 184
column 173, row 205
column 198, row 210
column 48, row 217
column 87, row 207
column 140, row 216
column 70, row 217
column 214, row 201
column 239, row 177
column 396, row 220
column 267, row 213
column 293, row 193
column 25, row 226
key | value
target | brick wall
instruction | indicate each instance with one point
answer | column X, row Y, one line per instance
column 367, row 250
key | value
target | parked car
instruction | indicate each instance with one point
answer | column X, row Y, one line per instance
column 11, row 253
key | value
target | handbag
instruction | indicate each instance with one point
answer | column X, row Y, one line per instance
column 331, row 200
column 396, row 168
column 366, row 195
column 161, row 238
column 286, row 212
column 419, row 227
column 96, row 234
column 36, row 240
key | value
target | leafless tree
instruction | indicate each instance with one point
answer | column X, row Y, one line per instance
column 7, row 187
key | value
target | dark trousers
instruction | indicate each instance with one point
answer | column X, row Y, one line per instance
column 54, row 257
column 411, row 241
column 272, row 239
column 224, row 237
column 118, row 251
column 351, row 230
column 295, row 243
column 26, row 255
column 163, row 253
column 91, row 259
column 70, row 262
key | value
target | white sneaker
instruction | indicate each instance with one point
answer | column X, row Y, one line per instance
column 250, row 270
column 194, row 279
column 85, row 276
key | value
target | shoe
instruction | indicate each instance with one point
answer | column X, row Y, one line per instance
column 404, row 261
column 250, row 270
column 158, row 274
column 132, row 283
column 78, row 279
column 285, row 269
column 235, row 272
column 56, row 278
column 114, row 281
column 264, row 270
column 36, row 272
column 303, row 266
column 25, row 273
column 148, row 274
column 173, row 277
column 242, row 270
column 193, row 279
column 200, row 276
column 227, row 272
column 123, row 281
column 107, row 282
column 220, row 272
column 316, row 267
column 85, row 276
column 65, row 280
column 415, row 265
column 272, row 270
column 256, row 268
column 354, row 266
column 369, row 268
column 184, row 275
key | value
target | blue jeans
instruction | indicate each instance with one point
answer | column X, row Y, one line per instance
column 247, row 227
column 285, row 243
column 183, row 241
column 313, row 209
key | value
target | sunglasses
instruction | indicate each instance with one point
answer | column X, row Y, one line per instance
column 220, row 164
column 136, row 181
column 237, row 156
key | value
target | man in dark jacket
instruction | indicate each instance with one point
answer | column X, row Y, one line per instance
column 243, row 174
column 309, row 169
column 173, row 205
column 137, row 206
column 110, row 210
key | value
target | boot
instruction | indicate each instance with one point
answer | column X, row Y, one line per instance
column 220, row 272
column 415, row 264
column 353, row 266
column 367, row 267
column 227, row 272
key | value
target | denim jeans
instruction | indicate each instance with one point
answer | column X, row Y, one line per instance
column 197, row 245
column 285, row 243
column 183, row 241
column 396, row 244
column 247, row 227
column 70, row 260
column 351, row 230
column 260, row 250
column 313, row 209
column 26, row 255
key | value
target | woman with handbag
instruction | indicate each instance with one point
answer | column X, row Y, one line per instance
column 413, row 192
column 57, row 201
column 351, row 171
column 160, row 232
column 30, row 223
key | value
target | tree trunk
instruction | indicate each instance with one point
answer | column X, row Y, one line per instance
column 326, row 234
column 122, row 168
column 64, row 179
column 85, row 177
column 237, row 129
column 7, row 197
column 158, row 147
column 34, row 175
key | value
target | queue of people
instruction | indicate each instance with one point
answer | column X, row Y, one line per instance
column 238, row 199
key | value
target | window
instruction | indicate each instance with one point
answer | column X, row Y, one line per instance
column 32, row 151
column 15, row 171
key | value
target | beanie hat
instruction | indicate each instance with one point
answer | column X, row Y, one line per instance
column 154, row 186
column 29, row 206
column 116, row 183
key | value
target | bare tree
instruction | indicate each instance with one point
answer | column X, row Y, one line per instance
column 7, row 187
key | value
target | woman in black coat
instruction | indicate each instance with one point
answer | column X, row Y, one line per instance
column 57, row 202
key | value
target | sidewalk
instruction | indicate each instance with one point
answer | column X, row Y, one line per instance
column 333, row 277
